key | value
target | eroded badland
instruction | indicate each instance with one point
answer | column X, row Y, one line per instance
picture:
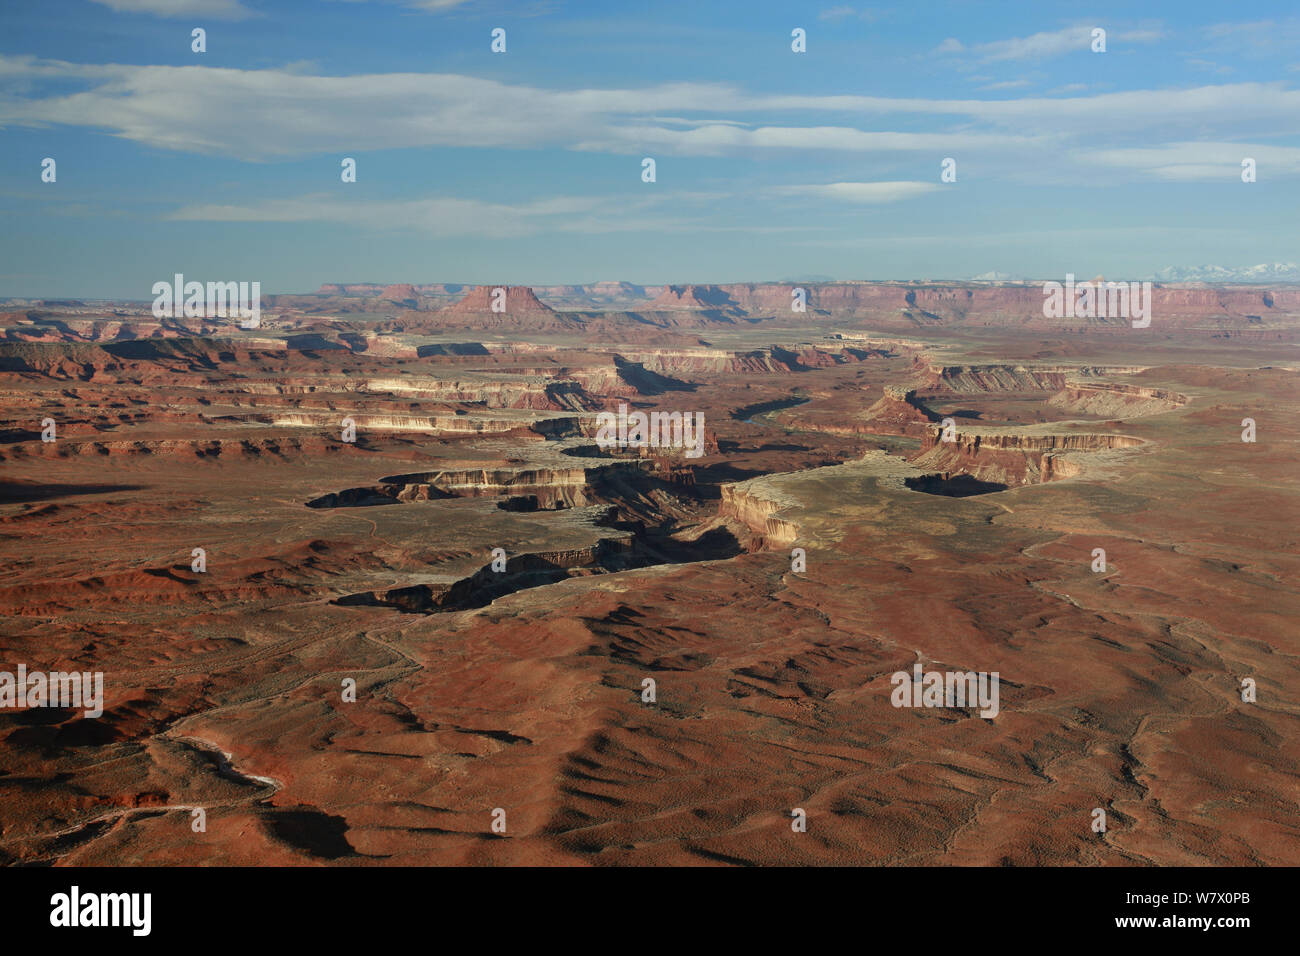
column 517, row 683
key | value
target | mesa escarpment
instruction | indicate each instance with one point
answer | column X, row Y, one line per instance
column 1011, row 459
column 520, row 572
column 545, row 488
column 693, row 298
column 1014, row 378
column 773, row 359
column 757, row 509
column 1117, row 400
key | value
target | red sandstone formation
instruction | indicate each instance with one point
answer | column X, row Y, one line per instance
column 399, row 293
column 1010, row 459
column 688, row 297
column 521, row 310
column 518, row 301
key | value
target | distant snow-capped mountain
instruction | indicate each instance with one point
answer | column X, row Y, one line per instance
column 996, row 277
column 1264, row 272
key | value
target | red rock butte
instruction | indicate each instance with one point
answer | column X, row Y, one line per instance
column 519, row 301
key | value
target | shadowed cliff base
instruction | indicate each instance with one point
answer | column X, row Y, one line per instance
column 953, row 486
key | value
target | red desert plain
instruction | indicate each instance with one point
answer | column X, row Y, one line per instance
column 369, row 584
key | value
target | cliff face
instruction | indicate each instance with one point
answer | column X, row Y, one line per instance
column 899, row 412
column 1011, row 459
column 1117, row 400
column 567, row 488
column 973, row 444
column 446, row 424
column 535, row 488
column 481, row 588
column 745, row 504
column 540, row 395
column 1013, row 378
column 403, row 292
column 688, row 297
column 767, row 360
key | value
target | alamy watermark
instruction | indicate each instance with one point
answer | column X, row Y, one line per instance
column 1098, row 300
column 656, row 430
column 194, row 300
column 56, row 689
column 946, row 689
column 76, row 909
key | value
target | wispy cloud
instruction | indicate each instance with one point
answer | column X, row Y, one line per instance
column 1257, row 38
column 1006, row 85
column 1200, row 162
column 259, row 115
column 1040, row 46
column 837, row 13
column 263, row 114
column 833, row 14
column 446, row 217
column 1209, row 65
column 217, row 9
column 859, row 192
column 437, row 6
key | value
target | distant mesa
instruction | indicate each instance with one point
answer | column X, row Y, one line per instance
column 676, row 297
column 519, row 301
column 403, row 292
column 615, row 288
column 350, row 288
column 1256, row 311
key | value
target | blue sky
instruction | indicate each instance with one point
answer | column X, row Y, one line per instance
column 525, row 167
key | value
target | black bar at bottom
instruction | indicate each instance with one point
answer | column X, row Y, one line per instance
column 346, row 906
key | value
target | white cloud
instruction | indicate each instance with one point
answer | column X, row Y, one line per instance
column 869, row 14
column 1038, row 46
column 1259, row 38
column 259, row 115
column 1199, row 162
column 445, row 217
column 217, row 9
column 716, row 139
column 263, row 114
column 1210, row 65
column 859, row 192
column 1005, row 85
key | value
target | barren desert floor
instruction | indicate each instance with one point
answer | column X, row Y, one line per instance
column 371, row 561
